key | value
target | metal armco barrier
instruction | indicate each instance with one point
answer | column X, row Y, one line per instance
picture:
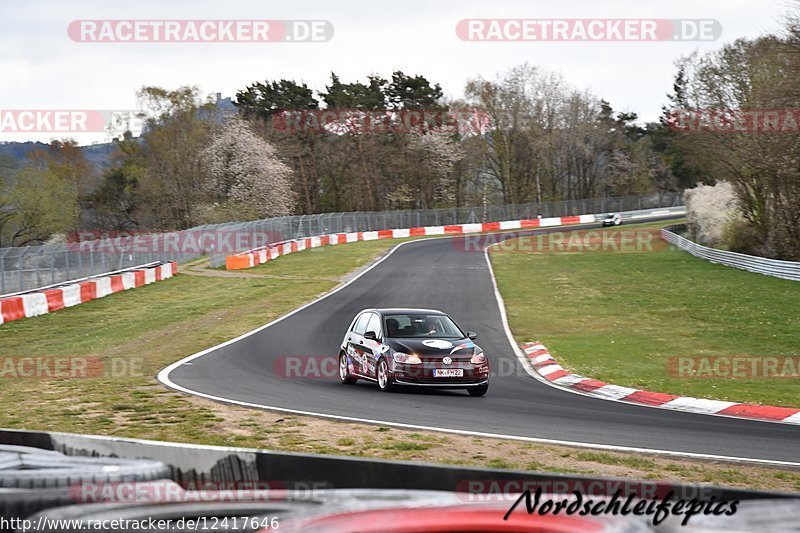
column 761, row 265
column 28, row 267
column 197, row 463
column 261, row 255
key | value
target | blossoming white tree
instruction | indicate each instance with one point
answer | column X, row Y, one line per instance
column 710, row 210
column 243, row 170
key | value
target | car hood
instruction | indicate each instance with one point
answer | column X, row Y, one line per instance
column 429, row 347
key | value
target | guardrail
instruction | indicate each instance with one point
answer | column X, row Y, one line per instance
column 261, row 255
column 761, row 265
column 193, row 462
column 28, row 267
column 75, row 292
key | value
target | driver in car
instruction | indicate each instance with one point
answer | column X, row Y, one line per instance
column 431, row 326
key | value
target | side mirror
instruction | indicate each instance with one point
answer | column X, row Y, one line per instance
column 471, row 335
column 371, row 335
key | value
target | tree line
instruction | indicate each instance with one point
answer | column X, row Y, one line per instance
column 530, row 137
column 749, row 147
column 290, row 149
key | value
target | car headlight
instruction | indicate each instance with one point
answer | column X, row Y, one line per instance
column 478, row 359
column 408, row 359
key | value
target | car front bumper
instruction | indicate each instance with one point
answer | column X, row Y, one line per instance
column 422, row 375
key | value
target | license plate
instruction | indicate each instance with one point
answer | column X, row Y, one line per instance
column 448, row 372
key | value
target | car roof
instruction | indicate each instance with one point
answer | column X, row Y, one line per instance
column 392, row 310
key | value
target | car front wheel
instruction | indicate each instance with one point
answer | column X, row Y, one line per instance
column 344, row 371
column 384, row 378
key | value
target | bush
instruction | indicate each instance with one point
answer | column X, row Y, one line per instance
column 710, row 209
column 740, row 236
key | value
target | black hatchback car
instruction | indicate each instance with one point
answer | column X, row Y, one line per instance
column 415, row 347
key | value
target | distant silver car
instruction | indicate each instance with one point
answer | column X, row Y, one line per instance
column 613, row 219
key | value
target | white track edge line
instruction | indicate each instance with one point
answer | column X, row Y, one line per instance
column 163, row 377
column 530, row 370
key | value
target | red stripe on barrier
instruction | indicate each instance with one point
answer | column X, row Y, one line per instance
column 158, row 272
column 455, row 228
column 385, row 234
column 307, row 242
column 88, row 291
column 649, row 398
column 174, row 268
column 12, row 309
column 294, row 246
column 55, row 299
column 529, row 223
column 138, row 278
column 490, row 226
column 324, row 240
column 415, row 232
column 570, row 220
column 557, row 374
column 116, row 284
column 537, row 353
column 588, row 385
column 762, row 412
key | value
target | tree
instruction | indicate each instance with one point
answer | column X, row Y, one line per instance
column 436, row 154
column 245, row 174
column 172, row 184
column 763, row 166
column 43, row 204
column 116, row 202
column 412, row 92
column 267, row 98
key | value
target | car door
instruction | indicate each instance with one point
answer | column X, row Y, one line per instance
column 372, row 349
column 355, row 343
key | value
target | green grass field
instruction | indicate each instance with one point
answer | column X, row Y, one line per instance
column 160, row 323
column 167, row 321
column 620, row 317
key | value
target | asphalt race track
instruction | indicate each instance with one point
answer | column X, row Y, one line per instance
column 437, row 273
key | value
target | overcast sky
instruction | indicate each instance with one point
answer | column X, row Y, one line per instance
column 41, row 68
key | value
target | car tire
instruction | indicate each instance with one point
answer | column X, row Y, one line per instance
column 385, row 384
column 344, row 370
column 48, row 470
column 478, row 391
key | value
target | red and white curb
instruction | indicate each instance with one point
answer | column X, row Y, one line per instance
column 262, row 255
column 547, row 367
column 49, row 300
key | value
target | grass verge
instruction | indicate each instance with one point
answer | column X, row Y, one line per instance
column 164, row 322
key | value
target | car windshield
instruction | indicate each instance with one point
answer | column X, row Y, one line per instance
column 421, row 325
